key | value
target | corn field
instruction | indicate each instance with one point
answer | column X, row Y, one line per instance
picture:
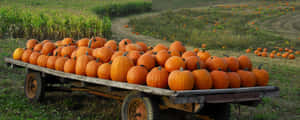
column 16, row 22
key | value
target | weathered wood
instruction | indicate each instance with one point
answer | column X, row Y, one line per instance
column 123, row 85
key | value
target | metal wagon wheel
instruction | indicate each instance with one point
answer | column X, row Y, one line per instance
column 34, row 86
column 139, row 107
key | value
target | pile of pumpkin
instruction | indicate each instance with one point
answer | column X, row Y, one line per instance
column 284, row 53
column 159, row 66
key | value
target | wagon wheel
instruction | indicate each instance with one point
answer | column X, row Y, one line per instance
column 34, row 87
column 138, row 107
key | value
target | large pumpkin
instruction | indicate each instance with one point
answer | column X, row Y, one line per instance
column 51, row 62
column 161, row 57
column 69, row 66
column 83, row 42
column 137, row 75
column 123, row 43
column 157, row 77
column 112, row 44
column 215, row 63
column 204, row 55
column 245, row 62
column 60, row 62
column 143, row 46
column 57, row 51
column 202, row 79
column 31, row 43
column 174, row 63
column 92, row 67
column 116, row 54
column 67, row 51
column 192, row 62
column 42, row 60
column 134, row 55
column 26, row 55
column 81, row 63
column 104, row 53
column 38, row 47
column 178, row 46
column 83, row 50
column 187, row 54
column 181, row 80
column 120, row 67
column 33, row 58
column 175, row 53
column 220, row 79
column 235, row 80
column 48, row 47
column 17, row 55
column 233, row 63
column 104, row 71
column 159, row 47
column 248, row 78
column 262, row 76
column 98, row 42
column 147, row 60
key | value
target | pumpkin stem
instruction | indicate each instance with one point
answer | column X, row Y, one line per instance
column 225, row 55
column 259, row 67
column 246, row 69
column 219, row 69
column 90, row 43
column 142, row 65
column 141, row 52
column 198, row 65
column 49, row 54
column 229, row 70
column 97, row 60
column 169, row 52
column 181, row 69
column 74, row 58
column 125, row 53
column 87, row 53
column 125, row 43
column 55, row 54
column 159, row 68
column 154, row 53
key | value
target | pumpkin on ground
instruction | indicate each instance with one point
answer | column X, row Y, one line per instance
column 42, row 60
column 120, row 67
column 33, row 58
column 157, row 77
column 161, row 57
column 147, row 60
column 98, row 42
column 181, row 80
column 278, row 54
column 92, row 67
column 202, row 79
column 104, row 53
column 234, row 80
column 248, row 78
column 137, row 75
column 174, row 63
column 69, row 66
column 178, row 46
column 220, row 79
column 262, row 76
column 104, row 71
column 248, row 50
column 31, row 43
column 17, row 55
column 245, row 62
column 81, row 63
column 60, row 62
column 112, row 44
column 291, row 56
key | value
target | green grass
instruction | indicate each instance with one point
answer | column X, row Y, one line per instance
column 219, row 26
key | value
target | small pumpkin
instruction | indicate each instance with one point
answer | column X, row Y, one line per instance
column 120, row 67
column 196, row 50
column 262, row 76
column 204, row 55
column 31, row 43
column 274, row 51
column 248, row 50
column 202, row 78
column 42, row 60
column 112, row 44
column 278, row 54
column 147, row 60
column 92, row 67
column 188, row 54
column 291, row 56
column 137, row 75
column 103, row 53
column 123, row 43
column 143, row 46
column 104, row 71
column 181, row 80
column 220, row 79
column 161, row 57
column 33, row 58
column 98, row 42
column 178, row 46
column 48, row 47
column 81, row 63
column 203, row 45
column 248, row 78
column 259, row 49
column 297, row 53
column 157, row 77
column 159, row 47
column 245, row 62
column 272, row 55
column 45, row 41
column 174, row 63
column 265, row 50
column 69, row 66
column 280, row 49
column 285, row 55
column 17, row 55
column 60, row 62
column 264, row 54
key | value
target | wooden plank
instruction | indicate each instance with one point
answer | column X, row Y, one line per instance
column 123, row 85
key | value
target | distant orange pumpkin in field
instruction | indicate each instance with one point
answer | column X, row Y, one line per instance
column 278, row 54
column 291, row 56
column 248, row 50
column 272, row 55
column 297, row 52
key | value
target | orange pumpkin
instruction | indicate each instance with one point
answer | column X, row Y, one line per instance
column 278, row 54
column 178, row 46
column 256, row 52
column 69, row 66
column 159, row 47
column 51, row 62
column 274, row 51
column 264, row 54
column 98, row 42
column 31, row 43
column 17, row 55
column 104, row 53
column 214, row 63
column 42, row 60
column 33, row 58
column 137, row 75
column 123, row 43
column 234, row 80
column 265, row 50
column 58, row 43
column 57, row 51
column 297, row 52
column 133, row 47
column 82, row 50
column 92, row 67
column 188, row 54
column 45, row 41
column 196, row 50
column 161, row 57
column 67, row 51
column 285, row 55
column 193, row 62
column 232, row 63
column 220, row 79
column 175, row 53
column 202, row 79
column 38, row 47
column 73, row 55
column 157, row 77
column 147, row 60
column 104, row 71
column 48, row 47
column 116, row 54
column 204, row 55
column 143, row 46
column 259, row 49
column 291, row 56
column 120, row 67
column 84, row 42
column 60, row 62
column 248, row 50
column 134, row 55
column 286, row 49
column 81, row 63
column 67, row 41
column 262, row 76
column 248, row 78
column 245, row 62
column 272, row 55
column 174, row 63
column 203, row 45
column 181, row 80
column 112, row 44
column 280, row 49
